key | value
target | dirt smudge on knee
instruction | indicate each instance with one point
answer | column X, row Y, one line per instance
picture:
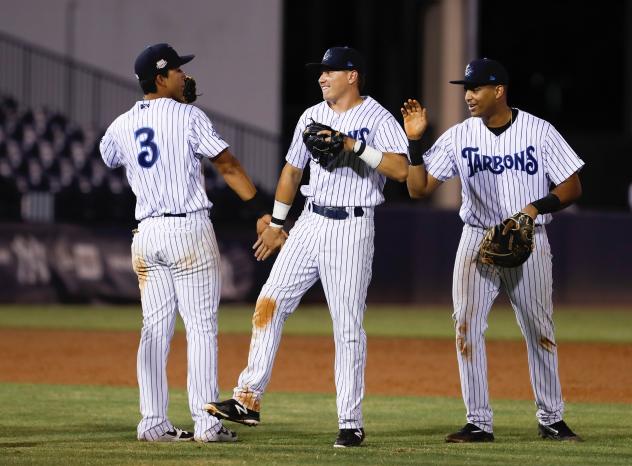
column 263, row 312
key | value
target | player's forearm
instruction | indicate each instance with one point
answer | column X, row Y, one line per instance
column 239, row 182
column 288, row 184
column 417, row 181
column 393, row 166
column 235, row 176
column 563, row 195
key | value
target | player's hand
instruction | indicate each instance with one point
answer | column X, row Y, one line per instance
column 531, row 211
column 415, row 119
column 262, row 223
column 271, row 240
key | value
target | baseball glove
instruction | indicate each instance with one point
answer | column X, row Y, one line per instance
column 189, row 90
column 325, row 148
column 509, row 249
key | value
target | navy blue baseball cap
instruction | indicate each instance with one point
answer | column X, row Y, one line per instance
column 484, row 71
column 340, row 58
column 156, row 58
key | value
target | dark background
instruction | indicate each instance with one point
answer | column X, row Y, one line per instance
column 569, row 63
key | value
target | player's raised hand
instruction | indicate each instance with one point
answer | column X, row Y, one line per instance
column 415, row 120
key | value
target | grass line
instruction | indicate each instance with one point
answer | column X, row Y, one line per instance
column 590, row 325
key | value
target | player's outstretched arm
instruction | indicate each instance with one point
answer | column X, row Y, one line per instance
column 391, row 165
column 560, row 197
column 234, row 174
column 419, row 183
column 273, row 237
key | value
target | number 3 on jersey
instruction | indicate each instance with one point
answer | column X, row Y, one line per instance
column 149, row 155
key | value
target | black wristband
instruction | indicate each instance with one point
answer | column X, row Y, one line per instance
column 549, row 203
column 361, row 149
column 415, row 151
column 257, row 204
column 278, row 221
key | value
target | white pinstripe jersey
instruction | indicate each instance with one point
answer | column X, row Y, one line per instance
column 351, row 182
column 160, row 143
column 502, row 174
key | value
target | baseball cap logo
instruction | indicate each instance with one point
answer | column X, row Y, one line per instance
column 468, row 71
column 327, row 56
column 160, row 64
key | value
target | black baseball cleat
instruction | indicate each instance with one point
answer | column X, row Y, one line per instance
column 233, row 410
column 349, row 438
column 470, row 433
column 558, row 431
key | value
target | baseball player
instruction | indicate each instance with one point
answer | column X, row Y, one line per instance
column 506, row 159
column 160, row 141
column 331, row 241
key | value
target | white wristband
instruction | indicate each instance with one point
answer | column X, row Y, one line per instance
column 279, row 214
column 371, row 156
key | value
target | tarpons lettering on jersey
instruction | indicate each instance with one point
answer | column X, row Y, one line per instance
column 359, row 134
column 523, row 161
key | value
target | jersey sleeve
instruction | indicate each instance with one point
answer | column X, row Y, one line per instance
column 297, row 154
column 204, row 140
column 109, row 150
column 560, row 160
column 439, row 159
column 390, row 137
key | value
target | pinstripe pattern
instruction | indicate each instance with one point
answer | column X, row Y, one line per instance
column 160, row 143
column 338, row 252
column 529, row 288
column 183, row 134
column 500, row 175
column 177, row 263
column 488, row 198
column 354, row 183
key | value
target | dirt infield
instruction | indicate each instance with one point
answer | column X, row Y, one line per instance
column 589, row 371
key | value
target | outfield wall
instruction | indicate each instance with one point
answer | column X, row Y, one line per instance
column 413, row 263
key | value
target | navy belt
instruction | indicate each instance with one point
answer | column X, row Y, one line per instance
column 183, row 214
column 337, row 213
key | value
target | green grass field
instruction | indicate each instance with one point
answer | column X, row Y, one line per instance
column 54, row 424
column 572, row 324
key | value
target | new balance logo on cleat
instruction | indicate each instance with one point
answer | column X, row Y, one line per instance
column 349, row 438
column 558, row 431
column 232, row 410
column 240, row 409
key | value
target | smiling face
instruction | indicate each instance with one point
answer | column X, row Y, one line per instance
column 336, row 84
column 485, row 101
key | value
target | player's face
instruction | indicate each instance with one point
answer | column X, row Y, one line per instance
column 334, row 84
column 175, row 84
column 481, row 100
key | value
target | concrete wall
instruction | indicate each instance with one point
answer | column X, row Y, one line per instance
column 237, row 43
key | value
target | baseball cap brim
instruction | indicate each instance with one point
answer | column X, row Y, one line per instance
column 185, row 59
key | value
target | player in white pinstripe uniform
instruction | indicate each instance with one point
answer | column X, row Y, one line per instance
column 506, row 159
column 332, row 240
column 160, row 141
